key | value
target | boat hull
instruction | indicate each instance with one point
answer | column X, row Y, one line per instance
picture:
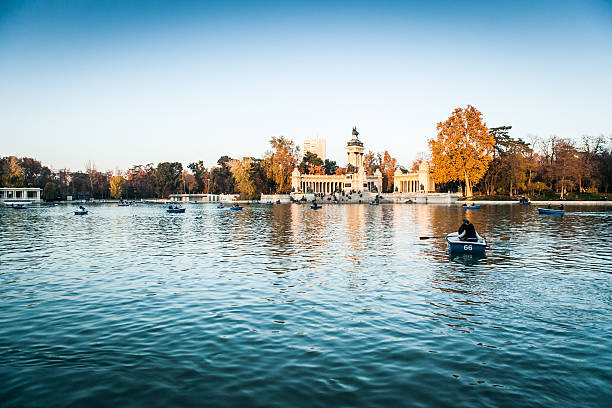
column 457, row 246
column 550, row 211
column 316, row 207
column 471, row 207
column 236, row 208
column 176, row 211
column 81, row 212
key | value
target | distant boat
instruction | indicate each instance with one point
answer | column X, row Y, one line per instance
column 316, row 206
column 79, row 212
column 524, row 201
column 220, row 206
column 269, row 203
column 124, row 204
column 175, row 210
column 374, row 203
column 471, row 207
column 472, row 246
column 278, row 202
column 236, row 208
column 17, row 206
column 550, row 211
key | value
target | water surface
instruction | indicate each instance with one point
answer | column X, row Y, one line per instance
column 281, row 305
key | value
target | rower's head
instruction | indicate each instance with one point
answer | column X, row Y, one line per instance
column 466, row 221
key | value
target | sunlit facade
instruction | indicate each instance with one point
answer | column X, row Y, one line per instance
column 356, row 181
column 420, row 181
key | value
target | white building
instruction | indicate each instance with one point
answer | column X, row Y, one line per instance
column 19, row 194
column 316, row 146
column 356, row 181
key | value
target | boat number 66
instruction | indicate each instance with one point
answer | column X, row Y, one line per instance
column 467, row 247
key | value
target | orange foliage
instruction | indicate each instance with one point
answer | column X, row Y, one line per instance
column 463, row 148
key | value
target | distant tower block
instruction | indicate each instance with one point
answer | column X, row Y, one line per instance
column 316, row 146
column 354, row 149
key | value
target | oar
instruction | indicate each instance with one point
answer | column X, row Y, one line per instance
column 437, row 236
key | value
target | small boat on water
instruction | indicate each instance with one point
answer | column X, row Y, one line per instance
column 550, row 211
column 471, row 207
column 374, row 203
column 470, row 246
column 81, row 212
column 17, row 206
column 316, row 206
column 277, row 201
column 175, row 210
column 269, row 203
column 524, row 201
column 236, row 208
column 124, row 204
column 220, row 206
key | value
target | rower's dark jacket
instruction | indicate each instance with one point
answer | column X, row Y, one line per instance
column 470, row 231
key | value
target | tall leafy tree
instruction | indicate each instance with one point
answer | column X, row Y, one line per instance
column 221, row 178
column 279, row 162
column 387, row 168
column 12, row 172
column 247, row 174
column 117, row 185
column 168, row 178
column 201, row 176
column 311, row 164
column 463, row 148
column 330, row 167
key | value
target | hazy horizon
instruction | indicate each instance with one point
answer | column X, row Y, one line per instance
column 122, row 83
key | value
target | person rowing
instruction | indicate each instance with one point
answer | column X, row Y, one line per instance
column 467, row 231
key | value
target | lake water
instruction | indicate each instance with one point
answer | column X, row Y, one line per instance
column 283, row 306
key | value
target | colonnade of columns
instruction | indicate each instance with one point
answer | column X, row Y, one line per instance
column 409, row 186
column 326, row 187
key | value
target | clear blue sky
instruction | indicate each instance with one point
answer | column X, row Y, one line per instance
column 132, row 82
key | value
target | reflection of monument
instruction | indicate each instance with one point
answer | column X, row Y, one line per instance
column 355, row 180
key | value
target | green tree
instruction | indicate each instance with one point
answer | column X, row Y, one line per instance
column 221, row 178
column 330, row 167
column 168, row 178
column 247, row 173
column 310, row 164
column 51, row 192
column 463, row 148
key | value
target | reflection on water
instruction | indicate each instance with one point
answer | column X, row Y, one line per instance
column 284, row 306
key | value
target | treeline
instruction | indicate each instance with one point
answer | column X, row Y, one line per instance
column 549, row 168
column 249, row 177
column 467, row 153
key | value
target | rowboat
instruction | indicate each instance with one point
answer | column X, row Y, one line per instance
column 550, row 211
column 123, row 204
column 220, row 206
column 373, row 203
column 469, row 246
column 81, row 212
column 269, row 203
column 471, row 207
column 175, row 210
column 236, row 208
column 17, row 206
column 316, row 207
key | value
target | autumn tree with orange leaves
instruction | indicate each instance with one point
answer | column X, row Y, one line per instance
column 463, row 149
